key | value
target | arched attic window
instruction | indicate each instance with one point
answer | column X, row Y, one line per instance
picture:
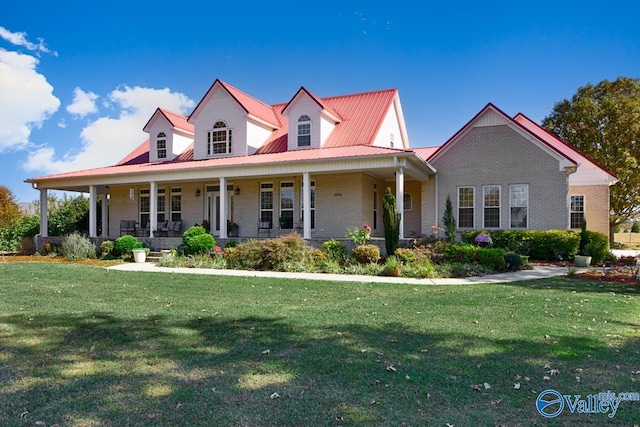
column 219, row 139
column 304, row 131
column 161, row 145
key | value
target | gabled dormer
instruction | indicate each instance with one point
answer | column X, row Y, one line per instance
column 169, row 135
column 311, row 121
column 228, row 122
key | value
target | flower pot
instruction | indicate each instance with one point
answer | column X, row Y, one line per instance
column 582, row 261
column 165, row 253
column 139, row 255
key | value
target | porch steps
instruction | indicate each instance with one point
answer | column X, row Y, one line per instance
column 154, row 256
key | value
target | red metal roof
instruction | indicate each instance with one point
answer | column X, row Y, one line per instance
column 177, row 120
column 257, row 159
column 138, row 156
column 556, row 143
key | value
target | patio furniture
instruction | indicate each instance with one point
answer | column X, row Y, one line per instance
column 127, row 226
column 170, row 228
column 264, row 226
column 143, row 231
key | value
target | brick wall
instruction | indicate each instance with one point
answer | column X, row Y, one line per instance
column 596, row 205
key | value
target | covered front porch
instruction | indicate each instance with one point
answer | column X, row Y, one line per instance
column 319, row 200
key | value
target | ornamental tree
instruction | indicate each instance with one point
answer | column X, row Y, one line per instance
column 391, row 220
column 603, row 122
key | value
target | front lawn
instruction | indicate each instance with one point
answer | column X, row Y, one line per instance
column 85, row 346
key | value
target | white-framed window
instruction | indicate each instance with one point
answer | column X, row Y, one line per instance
column 219, row 140
column 519, row 206
column 391, row 139
column 266, row 203
column 407, row 202
column 577, row 211
column 176, row 204
column 313, row 203
column 161, row 145
column 491, row 206
column 144, row 207
column 161, row 205
column 465, row 207
column 304, row 131
column 286, row 205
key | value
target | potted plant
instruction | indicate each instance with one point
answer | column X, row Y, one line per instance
column 139, row 254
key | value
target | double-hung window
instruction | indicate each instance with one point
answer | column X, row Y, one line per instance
column 161, row 205
column 304, row 131
column 577, row 211
column 491, row 206
column 161, row 145
column 519, row 206
column 144, row 207
column 465, row 207
column 219, row 140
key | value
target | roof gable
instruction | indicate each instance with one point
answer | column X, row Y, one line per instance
column 560, row 146
column 177, row 121
column 491, row 115
column 254, row 108
column 324, row 107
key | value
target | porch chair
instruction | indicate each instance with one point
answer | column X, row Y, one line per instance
column 264, row 226
column 143, row 231
column 127, row 226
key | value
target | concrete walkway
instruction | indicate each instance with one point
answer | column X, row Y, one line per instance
column 539, row 272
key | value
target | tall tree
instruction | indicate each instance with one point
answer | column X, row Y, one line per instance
column 9, row 209
column 603, row 122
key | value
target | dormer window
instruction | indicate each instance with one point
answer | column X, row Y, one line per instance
column 219, row 139
column 161, row 145
column 304, row 131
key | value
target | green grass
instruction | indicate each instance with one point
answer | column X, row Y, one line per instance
column 85, row 346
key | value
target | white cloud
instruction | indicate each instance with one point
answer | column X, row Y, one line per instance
column 20, row 39
column 107, row 140
column 27, row 99
column 83, row 103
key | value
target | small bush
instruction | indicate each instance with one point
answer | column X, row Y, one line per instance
column 335, row 251
column 125, row 244
column 514, row 261
column 392, row 267
column 245, row 256
column 106, row 249
column 419, row 270
column 406, row 256
column 366, row 254
column 231, row 244
column 287, row 253
column 491, row 258
column 553, row 245
column 197, row 240
column 596, row 246
column 77, row 246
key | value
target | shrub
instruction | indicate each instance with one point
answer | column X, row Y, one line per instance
column 514, row 261
column 464, row 253
column 366, row 254
column 449, row 221
column 596, row 245
column 492, row 258
column 125, row 244
column 197, row 240
column 106, row 248
column 391, row 222
column 553, row 245
column 635, row 228
column 406, row 256
column 287, row 253
column 77, row 246
column 334, row 250
column 231, row 244
column 360, row 236
column 392, row 267
column 419, row 270
column 244, row 256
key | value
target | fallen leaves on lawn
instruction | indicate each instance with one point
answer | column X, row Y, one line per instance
column 267, row 351
column 274, row 396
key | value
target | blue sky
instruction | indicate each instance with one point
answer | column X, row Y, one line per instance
column 78, row 80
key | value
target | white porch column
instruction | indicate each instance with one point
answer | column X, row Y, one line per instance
column 400, row 198
column 44, row 213
column 105, row 215
column 153, row 215
column 306, row 203
column 93, row 215
column 223, row 208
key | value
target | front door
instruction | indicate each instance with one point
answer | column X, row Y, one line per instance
column 213, row 209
